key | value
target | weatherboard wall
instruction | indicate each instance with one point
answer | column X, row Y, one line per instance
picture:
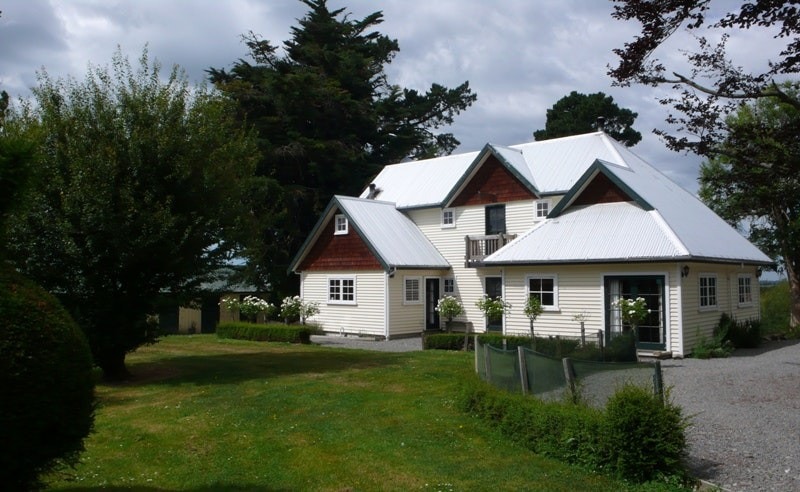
column 365, row 317
column 699, row 322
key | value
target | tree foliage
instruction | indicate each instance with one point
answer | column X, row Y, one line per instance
column 714, row 85
column 580, row 113
column 755, row 177
column 328, row 119
column 745, row 150
column 138, row 186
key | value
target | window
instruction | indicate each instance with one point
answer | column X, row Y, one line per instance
column 708, row 292
column 411, row 288
column 542, row 209
column 545, row 287
column 340, row 224
column 745, row 292
column 341, row 290
column 449, row 286
column 448, row 218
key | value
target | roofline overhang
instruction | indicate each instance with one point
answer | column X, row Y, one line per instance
column 670, row 259
column 599, row 166
column 479, row 160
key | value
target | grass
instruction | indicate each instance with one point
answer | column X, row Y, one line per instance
column 205, row 414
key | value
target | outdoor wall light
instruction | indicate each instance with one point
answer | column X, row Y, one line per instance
column 685, row 271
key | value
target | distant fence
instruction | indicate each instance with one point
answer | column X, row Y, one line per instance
column 553, row 378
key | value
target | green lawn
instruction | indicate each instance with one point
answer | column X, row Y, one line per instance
column 206, row 414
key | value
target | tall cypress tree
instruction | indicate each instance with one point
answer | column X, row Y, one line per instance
column 328, row 119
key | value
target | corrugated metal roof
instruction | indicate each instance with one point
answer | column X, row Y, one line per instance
column 394, row 237
column 620, row 231
column 421, row 183
column 551, row 166
column 704, row 233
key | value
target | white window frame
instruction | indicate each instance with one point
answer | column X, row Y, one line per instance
column 452, row 290
column 340, row 225
column 340, row 295
column 554, row 278
column 407, row 291
column 536, row 215
column 748, row 287
column 451, row 212
column 708, row 306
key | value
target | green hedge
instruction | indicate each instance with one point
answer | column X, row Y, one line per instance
column 622, row 348
column 270, row 332
column 636, row 437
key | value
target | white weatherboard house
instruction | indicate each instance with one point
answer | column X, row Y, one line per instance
column 578, row 222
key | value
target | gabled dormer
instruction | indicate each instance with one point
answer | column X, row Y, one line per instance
column 599, row 185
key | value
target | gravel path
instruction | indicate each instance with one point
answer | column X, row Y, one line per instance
column 745, row 411
column 745, row 414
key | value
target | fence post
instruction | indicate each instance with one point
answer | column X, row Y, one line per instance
column 487, row 364
column 658, row 381
column 601, row 343
column 523, row 369
column 569, row 375
column 476, row 355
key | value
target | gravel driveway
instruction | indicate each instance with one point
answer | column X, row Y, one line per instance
column 745, row 411
column 745, row 414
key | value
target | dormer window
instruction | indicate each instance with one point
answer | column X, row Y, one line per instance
column 448, row 218
column 542, row 208
column 340, row 227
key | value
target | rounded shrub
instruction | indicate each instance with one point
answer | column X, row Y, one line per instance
column 46, row 383
column 644, row 437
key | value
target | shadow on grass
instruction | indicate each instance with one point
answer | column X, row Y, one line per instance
column 210, row 488
column 212, row 369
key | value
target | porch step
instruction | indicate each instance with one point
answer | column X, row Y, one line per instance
column 648, row 355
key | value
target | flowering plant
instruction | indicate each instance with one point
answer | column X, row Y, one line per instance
column 295, row 308
column 533, row 308
column 633, row 311
column 493, row 308
column 449, row 307
column 250, row 306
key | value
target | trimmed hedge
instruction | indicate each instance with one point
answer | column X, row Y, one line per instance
column 636, row 437
column 622, row 348
column 270, row 332
column 46, row 384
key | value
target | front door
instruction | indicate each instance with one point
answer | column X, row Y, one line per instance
column 431, row 300
column 652, row 331
column 494, row 289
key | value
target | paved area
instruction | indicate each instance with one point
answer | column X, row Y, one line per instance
column 395, row 345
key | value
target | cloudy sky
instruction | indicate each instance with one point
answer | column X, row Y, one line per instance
column 519, row 56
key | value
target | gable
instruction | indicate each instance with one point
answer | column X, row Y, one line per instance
column 492, row 183
column 602, row 190
column 339, row 252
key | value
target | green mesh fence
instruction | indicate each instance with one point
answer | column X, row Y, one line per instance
column 546, row 377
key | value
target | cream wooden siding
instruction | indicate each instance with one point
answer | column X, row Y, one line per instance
column 366, row 317
column 409, row 319
column 699, row 324
column 450, row 241
column 580, row 291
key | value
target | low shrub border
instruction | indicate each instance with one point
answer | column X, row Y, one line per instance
column 270, row 332
column 637, row 437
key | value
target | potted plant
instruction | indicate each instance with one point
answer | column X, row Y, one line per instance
column 493, row 308
column 449, row 307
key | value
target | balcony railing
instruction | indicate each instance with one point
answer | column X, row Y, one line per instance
column 479, row 247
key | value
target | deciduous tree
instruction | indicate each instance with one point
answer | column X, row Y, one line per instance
column 138, row 185
column 580, row 113
column 328, row 119
column 714, row 87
